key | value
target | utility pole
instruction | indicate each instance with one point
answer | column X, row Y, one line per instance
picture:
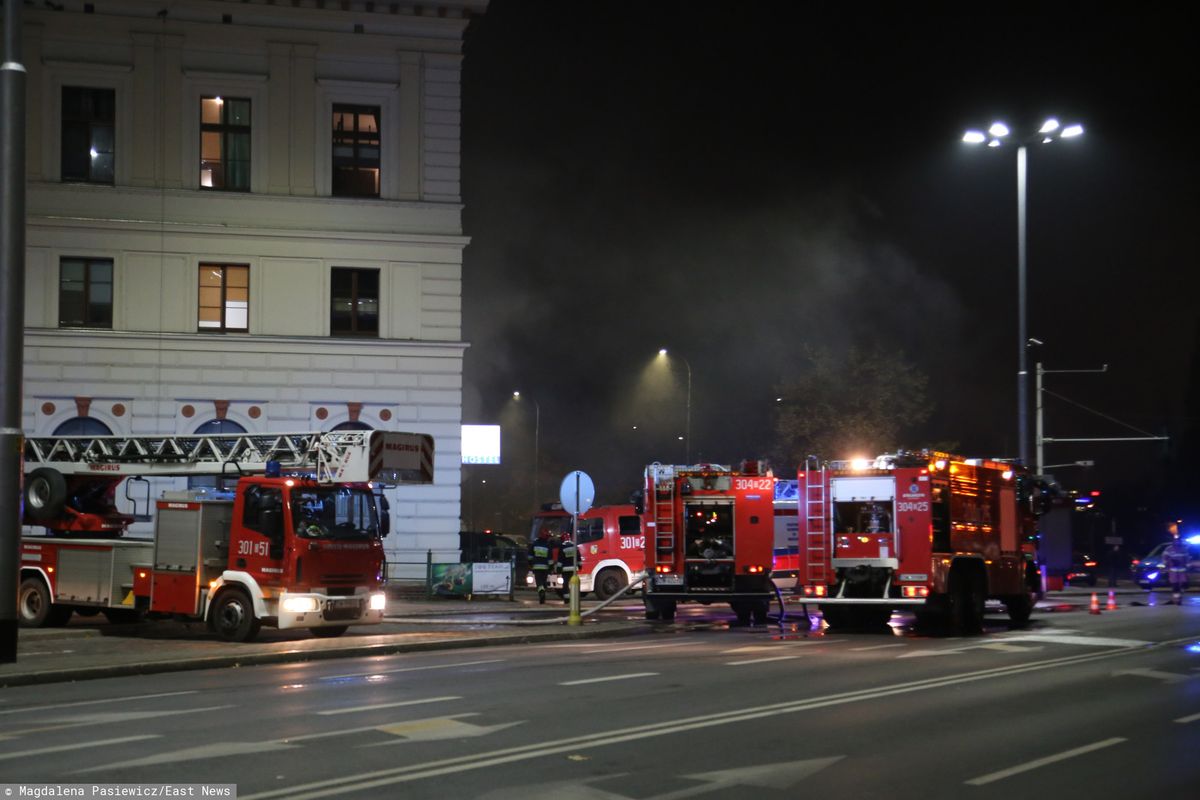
column 1042, row 439
column 12, row 318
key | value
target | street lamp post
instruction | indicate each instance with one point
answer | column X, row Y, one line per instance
column 687, row 430
column 537, row 430
column 997, row 135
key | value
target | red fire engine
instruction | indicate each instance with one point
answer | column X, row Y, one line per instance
column 298, row 545
column 710, row 533
column 612, row 547
column 927, row 531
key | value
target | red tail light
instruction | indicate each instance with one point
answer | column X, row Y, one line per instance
column 663, row 569
column 915, row 591
column 814, row 591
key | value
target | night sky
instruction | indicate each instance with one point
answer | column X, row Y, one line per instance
column 734, row 180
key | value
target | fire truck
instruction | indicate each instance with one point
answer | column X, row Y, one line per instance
column 297, row 546
column 710, row 532
column 927, row 531
column 612, row 547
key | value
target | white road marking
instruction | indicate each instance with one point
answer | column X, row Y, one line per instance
column 215, row 750
column 362, row 781
column 876, row 647
column 1088, row 641
column 627, row 649
column 95, row 702
column 607, row 678
column 61, row 723
column 1154, row 674
column 41, row 751
column 1186, row 720
column 759, row 660
column 1005, row 647
column 410, row 669
column 377, row 706
column 437, row 729
column 1042, row 762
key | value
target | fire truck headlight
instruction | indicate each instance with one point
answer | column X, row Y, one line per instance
column 378, row 601
column 301, row 605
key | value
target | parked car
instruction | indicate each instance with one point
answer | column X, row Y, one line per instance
column 1083, row 570
column 1151, row 572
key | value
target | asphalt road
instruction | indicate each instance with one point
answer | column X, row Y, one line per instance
column 1108, row 705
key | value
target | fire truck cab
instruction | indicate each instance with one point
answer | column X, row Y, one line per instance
column 710, row 532
column 931, row 532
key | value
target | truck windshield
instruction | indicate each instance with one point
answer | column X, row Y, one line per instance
column 334, row 512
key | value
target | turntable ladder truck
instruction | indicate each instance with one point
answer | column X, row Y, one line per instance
column 299, row 544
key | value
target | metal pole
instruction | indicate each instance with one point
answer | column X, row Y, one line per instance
column 573, row 616
column 537, row 434
column 1040, row 440
column 12, row 318
column 1022, row 335
column 687, row 430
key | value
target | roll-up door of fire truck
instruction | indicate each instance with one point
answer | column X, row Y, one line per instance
column 1008, row 520
column 862, row 488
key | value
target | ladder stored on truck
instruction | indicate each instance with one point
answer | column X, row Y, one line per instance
column 815, row 514
column 332, row 457
column 662, row 510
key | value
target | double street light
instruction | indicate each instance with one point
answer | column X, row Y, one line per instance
column 999, row 135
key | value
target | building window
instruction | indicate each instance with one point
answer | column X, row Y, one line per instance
column 82, row 426
column 225, row 143
column 354, row 303
column 355, row 151
column 354, row 425
column 224, row 298
column 215, row 483
column 88, row 125
column 85, row 293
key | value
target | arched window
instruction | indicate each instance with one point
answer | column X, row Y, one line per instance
column 82, row 426
column 352, row 426
column 215, row 427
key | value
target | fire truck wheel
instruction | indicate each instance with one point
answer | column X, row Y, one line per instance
column 34, row 607
column 1019, row 608
column 330, row 632
column 668, row 610
column 609, row 582
column 233, row 617
column 760, row 610
column 966, row 604
column 45, row 493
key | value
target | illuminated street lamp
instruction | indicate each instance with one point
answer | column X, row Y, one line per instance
column 998, row 135
column 687, row 430
column 537, row 429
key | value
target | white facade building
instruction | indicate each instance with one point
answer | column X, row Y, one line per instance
column 248, row 215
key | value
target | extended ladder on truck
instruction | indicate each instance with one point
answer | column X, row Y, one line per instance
column 86, row 469
column 334, row 457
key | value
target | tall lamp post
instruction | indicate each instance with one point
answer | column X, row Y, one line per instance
column 997, row 136
column 687, row 430
column 537, row 430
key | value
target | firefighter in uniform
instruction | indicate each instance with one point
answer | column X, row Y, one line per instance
column 567, row 553
column 539, row 562
column 1176, row 558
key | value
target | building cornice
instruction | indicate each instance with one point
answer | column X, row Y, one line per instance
column 79, row 338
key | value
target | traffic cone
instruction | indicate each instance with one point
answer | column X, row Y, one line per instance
column 1112, row 601
column 1094, row 608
